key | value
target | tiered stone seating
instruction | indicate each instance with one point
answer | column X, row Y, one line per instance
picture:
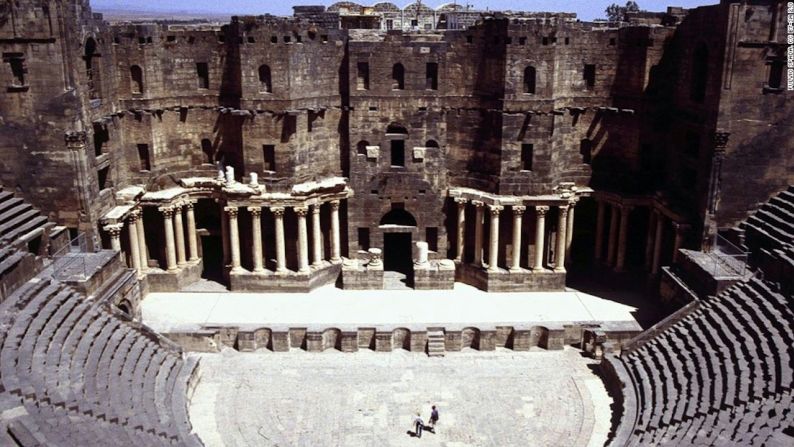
column 75, row 373
column 722, row 375
column 17, row 217
column 772, row 225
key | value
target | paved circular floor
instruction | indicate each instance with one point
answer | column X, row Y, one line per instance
column 500, row 398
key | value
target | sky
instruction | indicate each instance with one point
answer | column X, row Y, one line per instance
column 585, row 9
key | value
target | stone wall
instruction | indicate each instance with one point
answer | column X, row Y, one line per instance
column 513, row 105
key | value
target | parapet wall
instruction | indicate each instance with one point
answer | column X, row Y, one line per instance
column 517, row 338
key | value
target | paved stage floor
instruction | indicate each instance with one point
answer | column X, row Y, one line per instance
column 345, row 309
column 499, row 398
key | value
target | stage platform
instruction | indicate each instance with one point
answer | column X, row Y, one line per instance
column 385, row 310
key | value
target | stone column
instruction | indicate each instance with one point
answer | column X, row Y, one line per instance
column 317, row 248
column 569, row 230
column 679, row 239
column 179, row 227
column 114, row 230
column 192, row 239
column 168, row 228
column 562, row 226
column 652, row 222
column 422, row 251
column 624, row 227
column 518, row 214
column 657, row 244
column 142, row 241
column 225, row 237
column 478, row 228
column 132, row 233
column 540, row 235
column 493, row 252
column 461, row 202
column 256, row 231
column 336, row 244
column 303, row 240
column 599, row 236
column 612, row 248
column 281, row 255
column 234, row 238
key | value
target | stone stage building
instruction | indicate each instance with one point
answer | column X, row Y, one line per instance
column 373, row 147
column 354, row 143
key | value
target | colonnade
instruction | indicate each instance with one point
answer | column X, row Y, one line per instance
column 177, row 255
column 173, row 227
column 303, row 249
column 617, row 236
column 563, row 240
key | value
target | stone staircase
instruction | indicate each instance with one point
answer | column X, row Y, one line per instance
column 435, row 342
column 17, row 217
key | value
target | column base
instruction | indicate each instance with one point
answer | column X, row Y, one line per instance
column 559, row 269
column 515, row 270
column 304, row 271
column 282, row 271
column 193, row 259
column 237, row 270
column 259, row 270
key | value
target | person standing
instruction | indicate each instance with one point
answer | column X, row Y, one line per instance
column 419, row 424
column 433, row 419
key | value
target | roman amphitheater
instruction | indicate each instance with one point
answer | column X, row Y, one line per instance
column 305, row 230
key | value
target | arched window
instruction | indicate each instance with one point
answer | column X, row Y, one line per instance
column 431, row 143
column 361, row 147
column 265, row 81
column 136, row 76
column 529, row 80
column 398, row 77
column 398, row 216
column 206, row 148
column 700, row 73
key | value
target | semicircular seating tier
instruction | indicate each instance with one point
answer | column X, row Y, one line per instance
column 75, row 372
column 721, row 375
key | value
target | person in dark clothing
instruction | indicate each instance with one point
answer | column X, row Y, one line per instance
column 433, row 419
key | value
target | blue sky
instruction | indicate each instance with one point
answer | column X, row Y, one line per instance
column 586, row 9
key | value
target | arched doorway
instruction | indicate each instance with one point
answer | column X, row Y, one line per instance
column 397, row 226
column 125, row 307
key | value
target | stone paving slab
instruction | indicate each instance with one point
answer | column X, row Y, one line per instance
column 500, row 398
column 331, row 307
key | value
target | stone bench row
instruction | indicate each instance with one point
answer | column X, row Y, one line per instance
column 733, row 353
column 213, row 339
column 66, row 359
column 751, row 423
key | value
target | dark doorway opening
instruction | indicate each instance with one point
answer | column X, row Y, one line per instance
column 397, row 255
column 212, row 255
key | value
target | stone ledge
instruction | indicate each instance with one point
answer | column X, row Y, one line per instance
column 485, row 338
column 158, row 280
column 268, row 281
column 507, row 281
